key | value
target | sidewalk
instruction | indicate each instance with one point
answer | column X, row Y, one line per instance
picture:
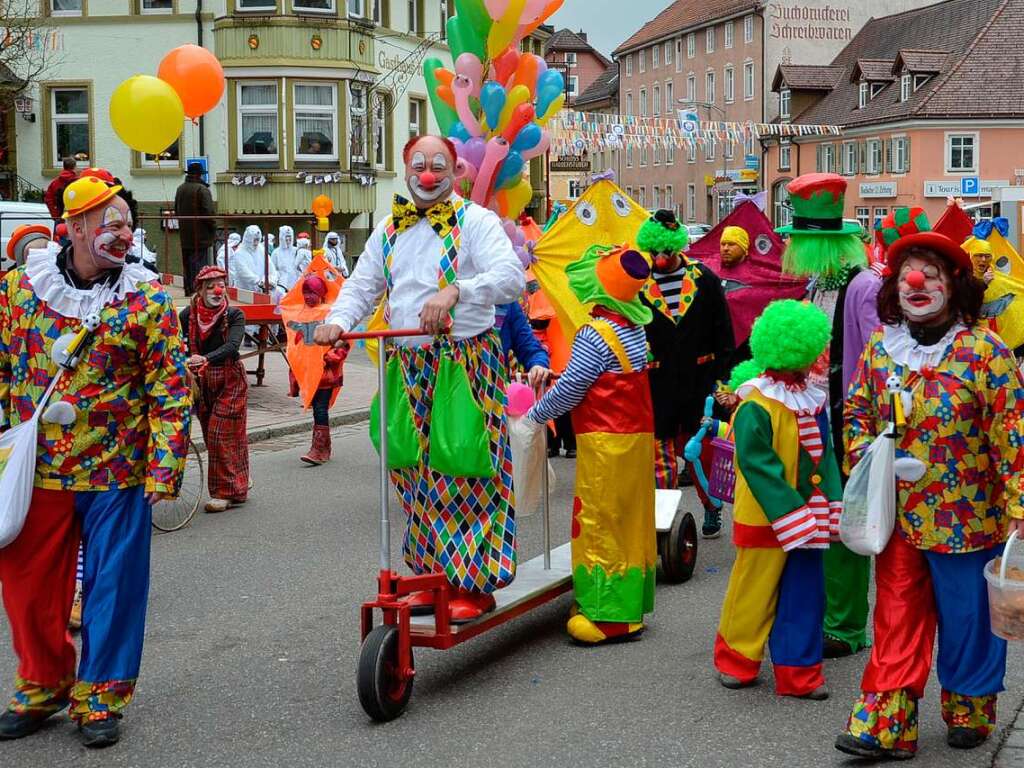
column 1011, row 753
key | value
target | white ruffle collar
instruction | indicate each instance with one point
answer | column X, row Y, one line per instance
column 58, row 294
column 807, row 399
column 905, row 351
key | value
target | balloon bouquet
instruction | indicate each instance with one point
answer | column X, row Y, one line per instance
column 497, row 102
column 148, row 113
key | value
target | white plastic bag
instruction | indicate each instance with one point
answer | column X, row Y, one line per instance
column 17, row 473
column 869, row 501
column 529, row 460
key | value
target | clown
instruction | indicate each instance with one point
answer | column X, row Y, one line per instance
column 112, row 446
column 605, row 385
column 692, row 344
column 442, row 264
column 787, row 503
column 214, row 334
column 959, row 468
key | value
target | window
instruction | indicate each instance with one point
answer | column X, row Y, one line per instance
column 709, row 88
column 417, row 117
column 691, row 45
column 905, row 83
column 643, row 156
column 447, row 11
column 691, row 202
column 748, row 81
column 358, row 131
column 668, row 53
column 691, row 152
column 864, row 218
column 783, row 213
column 709, row 150
column 656, row 99
column 960, row 152
column 656, row 199
column 255, row 5
column 157, row 6
column 629, row 65
column 170, row 157
column 257, row 121
column 880, row 214
column 316, row 121
column 629, row 191
column 900, row 154
column 670, row 100
column 641, row 57
column 709, row 40
column 641, row 196
column 785, row 102
column 629, row 103
column 573, row 88
column 415, row 16
column 65, row 7
column 363, row 9
column 920, row 80
column 828, row 158
column 874, row 157
column 849, row 158
column 729, row 32
column 748, row 29
column 70, row 128
column 575, row 189
column 727, row 149
column 730, row 85
column 862, row 96
column 877, row 88
column 643, row 102
column 785, row 155
column 655, row 57
column 629, row 156
column 669, row 202
column 655, row 155
column 382, row 130
column 670, row 154
column 691, row 87
column 570, row 58
column 679, row 54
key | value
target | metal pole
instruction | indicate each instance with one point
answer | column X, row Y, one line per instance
column 385, row 522
column 546, row 505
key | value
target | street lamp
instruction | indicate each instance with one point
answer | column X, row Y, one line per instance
column 709, row 107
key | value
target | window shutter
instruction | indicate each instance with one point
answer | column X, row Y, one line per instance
column 862, row 157
column 818, row 150
column 906, row 155
column 887, row 149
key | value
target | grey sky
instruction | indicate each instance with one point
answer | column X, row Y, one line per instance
column 607, row 22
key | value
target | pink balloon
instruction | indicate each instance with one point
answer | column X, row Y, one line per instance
column 540, row 149
column 468, row 65
column 496, row 8
column 462, row 87
column 520, row 399
column 473, row 151
column 497, row 151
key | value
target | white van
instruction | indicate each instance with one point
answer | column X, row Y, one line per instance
column 14, row 215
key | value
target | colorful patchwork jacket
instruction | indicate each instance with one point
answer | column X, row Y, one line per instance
column 788, row 490
column 128, row 391
column 965, row 425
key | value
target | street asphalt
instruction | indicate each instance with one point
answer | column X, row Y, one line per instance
column 253, row 638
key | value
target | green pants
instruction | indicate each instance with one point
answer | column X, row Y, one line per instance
column 846, row 595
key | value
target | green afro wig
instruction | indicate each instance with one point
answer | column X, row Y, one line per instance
column 743, row 373
column 822, row 255
column 789, row 336
column 662, row 234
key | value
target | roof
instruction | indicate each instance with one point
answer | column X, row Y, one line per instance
column 983, row 33
column 920, row 61
column 873, row 70
column 682, row 15
column 804, row 77
column 605, row 88
column 567, row 40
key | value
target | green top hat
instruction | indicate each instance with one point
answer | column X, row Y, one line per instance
column 817, row 200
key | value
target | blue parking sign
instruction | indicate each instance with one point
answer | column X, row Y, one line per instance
column 203, row 161
column 970, row 186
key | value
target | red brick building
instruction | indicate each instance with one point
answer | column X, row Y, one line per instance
column 582, row 64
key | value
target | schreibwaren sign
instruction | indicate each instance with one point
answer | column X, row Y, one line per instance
column 804, row 22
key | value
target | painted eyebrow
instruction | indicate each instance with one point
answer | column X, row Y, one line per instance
column 419, row 158
column 441, row 159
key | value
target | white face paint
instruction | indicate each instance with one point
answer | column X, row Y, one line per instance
column 923, row 290
column 111, row 235
column 430, row 172
column 213, row 293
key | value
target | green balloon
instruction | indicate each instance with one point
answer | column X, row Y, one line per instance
column 475, row 14
column 463, row 38
column 445, row 115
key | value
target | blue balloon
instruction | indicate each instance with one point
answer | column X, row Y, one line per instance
column 553, row 79
column 528, row 138
column 492, row 99
column 458, row 131
column 545, row 97
column 510, row 172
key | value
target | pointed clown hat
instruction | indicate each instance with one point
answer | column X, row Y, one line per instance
column 612, row 277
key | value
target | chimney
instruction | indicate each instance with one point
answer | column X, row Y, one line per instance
column 583, row 35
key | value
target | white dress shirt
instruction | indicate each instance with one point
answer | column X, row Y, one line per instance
column 489, row 273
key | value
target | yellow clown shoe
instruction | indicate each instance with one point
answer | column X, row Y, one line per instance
column 583, row 630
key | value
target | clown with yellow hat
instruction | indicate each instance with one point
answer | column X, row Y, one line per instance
column 606, row 387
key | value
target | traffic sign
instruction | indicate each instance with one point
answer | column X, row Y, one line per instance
column 970, row 186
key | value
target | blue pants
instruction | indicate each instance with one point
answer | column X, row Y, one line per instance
column 796, row 640
column 321, row 407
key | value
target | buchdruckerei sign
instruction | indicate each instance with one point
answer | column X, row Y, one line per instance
column 878, row 189
column 953, row 188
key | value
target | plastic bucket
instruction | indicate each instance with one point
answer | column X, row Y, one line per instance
column 1005, row 577
column 722, row 481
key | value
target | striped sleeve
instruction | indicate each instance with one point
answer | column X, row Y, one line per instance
column 589, row 359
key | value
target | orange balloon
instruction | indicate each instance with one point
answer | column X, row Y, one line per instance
column 526, row 73
column 322, row 206
column 444, row 76
column 444, row 92
column 197, row 77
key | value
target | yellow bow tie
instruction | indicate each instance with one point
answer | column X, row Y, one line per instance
column 405, row 215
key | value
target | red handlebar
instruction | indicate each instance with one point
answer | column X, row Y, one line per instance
column 389, row 334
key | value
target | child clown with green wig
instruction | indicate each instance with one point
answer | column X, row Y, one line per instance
column 788, row 499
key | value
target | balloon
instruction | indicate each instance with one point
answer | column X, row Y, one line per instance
column 522, row 116
column 504, row 30
column 475, row 17
column 196, row 76
column 518, row 198
column 471, row 67
column 505, row 66
column 463, row 38
column 444, row 93
column 532, row 10
column 444, row 114
column 540, row 149
column 463, row 89
column 466, row 172
column 322, row 206
column 497, row 151
column 510, row 172
column 524, row 256
column 458, row 131
column 473, row 151
column 520, row 399
column 527, row 72
column 496, row 8
column 517, row 96
column 146, row 114
column 528, row 29
column 553, row 109
column 492, row 99
column 445, row 76
column 549, row 85
column 528, row 138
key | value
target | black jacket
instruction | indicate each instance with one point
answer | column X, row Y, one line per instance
column 690, row 356
column 216, row 349
column 193, row 198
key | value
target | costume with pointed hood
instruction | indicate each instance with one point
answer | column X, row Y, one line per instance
column 605, row 386
column 334, row 253
column 286, row 259
column 234, row 239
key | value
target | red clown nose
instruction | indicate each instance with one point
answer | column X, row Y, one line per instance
column 218, row 290
column 915, row 279
column 428, row 180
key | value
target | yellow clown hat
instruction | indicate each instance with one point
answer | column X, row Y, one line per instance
column 87, row 193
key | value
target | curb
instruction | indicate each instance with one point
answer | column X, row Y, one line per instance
column 297, row 426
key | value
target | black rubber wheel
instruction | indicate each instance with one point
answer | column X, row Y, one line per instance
column 678, row 549
column 382, row 694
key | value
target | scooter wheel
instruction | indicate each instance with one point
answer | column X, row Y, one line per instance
column 383, row 694
column 678, row 549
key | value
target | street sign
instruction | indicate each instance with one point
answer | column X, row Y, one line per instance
column 970, row 186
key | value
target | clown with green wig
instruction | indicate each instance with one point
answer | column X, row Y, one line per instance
column 829, row 251
column 605, row 386
column 788, row 499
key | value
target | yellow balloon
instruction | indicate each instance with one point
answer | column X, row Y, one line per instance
column 147, row 114
column 553, row 109
column 518, row 95
column 504, row 30
column 518, row 198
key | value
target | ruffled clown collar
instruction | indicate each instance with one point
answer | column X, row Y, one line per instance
column 800, row 398
column 904, row 350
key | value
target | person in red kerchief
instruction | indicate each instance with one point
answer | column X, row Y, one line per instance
column 213, row 336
